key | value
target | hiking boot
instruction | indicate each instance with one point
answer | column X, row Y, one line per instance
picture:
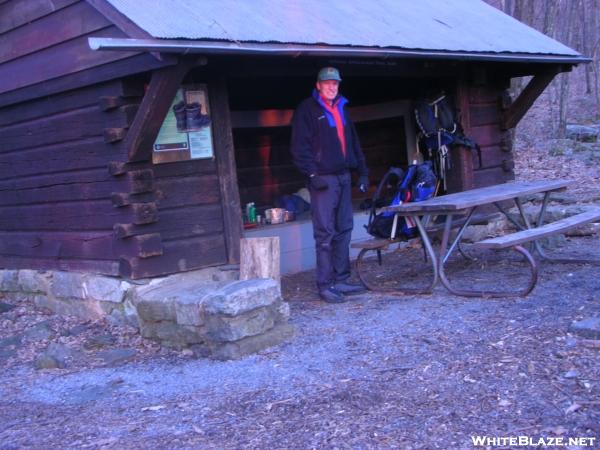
column 180, row 116
column 348, row 288
column 195, row 118
column 331, row 295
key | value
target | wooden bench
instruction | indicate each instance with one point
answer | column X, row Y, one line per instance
column 514, row 241
column 524, row 236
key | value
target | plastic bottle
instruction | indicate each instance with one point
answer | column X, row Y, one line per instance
column 252, row 213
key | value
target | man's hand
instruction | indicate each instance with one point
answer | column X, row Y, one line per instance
column 363, row 183
column 318, row 183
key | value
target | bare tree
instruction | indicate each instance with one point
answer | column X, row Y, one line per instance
column 564, row 77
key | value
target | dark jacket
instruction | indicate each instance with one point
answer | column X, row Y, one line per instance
column 315, row 145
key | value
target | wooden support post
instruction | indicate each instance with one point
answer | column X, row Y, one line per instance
column 260, row 258
column 155, row 105
column 528, row 95
column 226, row 167
column 460, row 177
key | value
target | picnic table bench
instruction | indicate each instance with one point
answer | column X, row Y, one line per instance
column 464, row 204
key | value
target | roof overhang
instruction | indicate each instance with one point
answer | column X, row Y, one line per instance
column 244, row 48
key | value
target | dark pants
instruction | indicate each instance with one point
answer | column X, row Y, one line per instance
column 332, row 228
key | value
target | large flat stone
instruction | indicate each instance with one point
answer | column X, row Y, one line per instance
column 172, row 333
column 87, row 286
column 33, row 281
column 9, row 281
column 90, row 309
column 588, row 328
column 228, row 329
column 157, row 301
column 242, row 296
column 188, row 311
column 235, row 350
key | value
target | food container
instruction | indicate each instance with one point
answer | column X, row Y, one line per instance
column 288, row 216
column 275, row 215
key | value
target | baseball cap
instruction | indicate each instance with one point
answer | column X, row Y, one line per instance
column 329, row 73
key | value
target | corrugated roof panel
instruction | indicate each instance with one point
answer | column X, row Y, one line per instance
column 445, row 25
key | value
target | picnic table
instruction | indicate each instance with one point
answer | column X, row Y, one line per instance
column 459, row 211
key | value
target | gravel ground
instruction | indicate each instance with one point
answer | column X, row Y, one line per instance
column 380, row 371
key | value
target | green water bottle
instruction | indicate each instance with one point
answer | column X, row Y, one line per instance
column 252, row 213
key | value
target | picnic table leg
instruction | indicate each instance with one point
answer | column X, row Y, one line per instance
column 360, row 268
column 482, row 292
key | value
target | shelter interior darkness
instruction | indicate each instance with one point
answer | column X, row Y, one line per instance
column 381, row 108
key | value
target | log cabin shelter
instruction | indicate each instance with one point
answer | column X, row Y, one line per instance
column 96, row 176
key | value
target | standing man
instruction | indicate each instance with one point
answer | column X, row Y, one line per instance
column 325, row 148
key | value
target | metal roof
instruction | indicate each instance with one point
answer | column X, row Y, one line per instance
column 454, row 26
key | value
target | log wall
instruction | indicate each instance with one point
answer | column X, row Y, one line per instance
column 69, row 198
column 485, row 115
column 56, row 210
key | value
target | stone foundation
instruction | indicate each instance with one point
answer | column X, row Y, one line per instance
column 210, row 310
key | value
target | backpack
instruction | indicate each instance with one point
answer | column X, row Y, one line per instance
column 418, row 183
column 439, row 130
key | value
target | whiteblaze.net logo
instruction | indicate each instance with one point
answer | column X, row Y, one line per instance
column 527, row 441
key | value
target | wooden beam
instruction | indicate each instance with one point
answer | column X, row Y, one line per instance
column 155, row 105
column 226, row 168
column 528, row 95
column 460, row 177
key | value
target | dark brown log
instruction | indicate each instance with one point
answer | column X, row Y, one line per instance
column 142, row 246
column 484, row 114
column 59, row 60
column 508, row 165
column 140, row 181
column 84, row 216
column 492, row 156
column 121, row 117
column 177, row 192
column 153, row 109
column 528, row 95
column 226, row 168
column 59, row 26
column 120, row 199
column 79, row 245
column 192, row 221
column 120, row 167
column 192, row 167
column 460, row 178
column 19, row 12
column 49, row 105
column 505, row 100
column 506, row 141
column 85, row 154
column 116, row 69
column 70, row 126
column 57, row 245
column 112, row 135
column 79, row 185
column 482, row 94
column 144, row 213
column 178, row 256
column 488, row 177
column 74, row 265
column 107, row 103
column 486, row 135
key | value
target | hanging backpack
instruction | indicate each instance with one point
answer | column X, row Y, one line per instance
column 439, row 130
column 417, row 183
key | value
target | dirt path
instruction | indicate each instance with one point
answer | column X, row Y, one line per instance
column 378, row 372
